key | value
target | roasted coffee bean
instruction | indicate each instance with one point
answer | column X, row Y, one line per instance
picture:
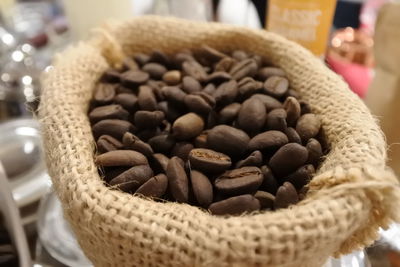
column 292, row 107
column 269, row 102
column 210, row 54
column 121, row 158
column 173, row 112
column 174, row 94
column 228, row 140
column 209, row 161
column 146, row 98
column 155, row 70
column 108, row 143
column 218, row 77
column 162, row 143
column 276, row 86
column 148, row 119
column 268, row 141
column 276, row 120
column 182, row 57
column 225, row 64
column 133, row 178
column 190, row 85
column 177, row 180
column 305, row 108
column 235, row 205
column 254, row 159
column 286, row 196
column 115, row 128
column 247, row 67
column 239, row 181
column 133, row 142
column 111, row 76
column 130, row 64
column 187, row 126
column 172, row 77
column 229, row 113
column 293, row 93
column 141, row 58
column 252, row 115
column 257, row 59
column 269, row 184
column 194, row 69
column 182, row 150
column 226, row 93
column 159, row 57
column 201, row 103
column 120, row 89
column 288, row 158
column 201, row 140
column 302, row 193
column 134, row 78
column 212, row 119
column 308, row 126
column 292, row 135
column 301, row 176
column 127, row 101
column 104, row 93
column 239, row 55
column 248, row 86
column 209, row 89
column 155, row 187
column 314, row 151
column 108, row 112
column 202, row 188
column 112, row 172
column 160, row 162
column 266, row 72
column 266, row 199
column 146, row 134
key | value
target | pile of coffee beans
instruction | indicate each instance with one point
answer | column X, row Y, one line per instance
column 222, row 131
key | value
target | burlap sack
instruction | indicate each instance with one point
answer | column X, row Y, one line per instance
column 352, row 195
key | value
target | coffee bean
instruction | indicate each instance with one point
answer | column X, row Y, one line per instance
column 194, row 69
column 302, row 193
column 148, row 119
column 269, row 102
column 239, row 181
column 190, row 85
column 108, row 112
column 155, row 70
column 199, row 103
column 266, row 72
column 258, row 60
column 146, row 98
column 155, row 187
column 201, row 140
column 293, row 93
column 108, row 143
column 146, row 134
column 252, row 115
column 177, row 180
column 133, row 178
column 229, row 113
column 182, row 57
column 286, row 196
column 254, row 159
column 248, row 86
column 235, row 205
column 187, row 126
column 127, row 101
column 141, row 58
column 174, row 94
column 267, row 141
column 276, row 86
column 228, row 140
column 120, row 89
column 293, row 110
column 239, row 55
column 209, row 161
column 210, row 54
column 266, row 199
column 133, row 142
column 247, row 67
column 112, row 172
column 209, row 89
column 130, row 64
column 269, row 184
column 308, row 126
column 225, row 64
column 104, row 93
column 226, row 93
column 111, row 76
column 218, row 77
column 121, row 158
column 288, row 158
column 305, row 108
column 301, row 176
column 134, row 78
column 292, row 135
column 159, row 57
column 162, row 143
column 160, row 162
column 314, row 151
column 182, row 150
column 115, row 128
column 276, row 120
column 172, row 77
column 202, row 188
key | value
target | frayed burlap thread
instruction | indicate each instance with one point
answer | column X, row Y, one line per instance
column 352, row 195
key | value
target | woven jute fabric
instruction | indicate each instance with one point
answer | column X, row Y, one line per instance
column 352, row 195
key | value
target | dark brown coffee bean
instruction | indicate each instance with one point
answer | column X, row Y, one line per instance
column 276, row 120
column 266, row 199
column 108, row 112
column 218, row 77
column 148, row 119
column 190, row 85
column 268, row 141
column 252, row 115
column 308, row 126
column 112, row 172
column 202, row 188
column 235, row 205
column 111, row 76
column 201, row 140
column 228, row 140
column 276, row 86
column 288, row 158
column 239, row 181
column 292, row 135
column 155, row 187
column 314, row 151
column 146, row 98
column 133, row 178
column 121, row 158
column 286, row 196
column 305, row 108
column 182, row 150
column 104, row 93
column 160, row 162
column 293, row 93
column 134, row 78
column 133, row 142
column 172, row 77
column 177, row 180
column 239, row 55
column 226, row 93
column 302, row 193
column 248, row 86
column 266, row 72
column 209, row 161
column 130, row 64
column 225, row 64
column 159, row 57
column 127, row 101
column 155, row 70
column 229, row 113
column 293, row 110
column 254, row 159
column 108, row 143
column 162, row 143
column 115, row 128
column 210, row 54
column 174, row 94
column 194, row 69
column 270, row 103
column 187, row 126
column 182, row 57
column 247, row 67
column 141, row 58
column 120, row 89
column 301, row 176
column 199, row 103
column 269, row 184
column 146, row 134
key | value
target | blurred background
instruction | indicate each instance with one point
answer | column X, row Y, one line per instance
column 359, row 40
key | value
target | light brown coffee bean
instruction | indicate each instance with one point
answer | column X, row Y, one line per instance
column 266, row 199
column 239, row 55
column 141, row 58
column 269, row 102
column 194, row 69
column 276, row 120
column 108, row 143
column 182, row 150
column 130, row 64
column 252, row 116
column 314, row 151
column 293, row 110
column 218, row 77
column 301, row 176
column 115, row 128
column 269, row 184
column 172, row 77
column 209, row 161
column 235, row 205
column 286, row 196
column 155, row 70
column 108, row 112
column 292, row 135
column 121, row 158
column 254, row 159
column 229, row 113
column 104, row 93
column 160, row 162
column 162, row 143
column 239, row 181
column 155, row 187
column 127, row 101
column 226, row 93
column 308, row 126
column 148, row 119
column 146, row 98
column 187, row 126
column 276, row 86
column 202, row 188
column 266, row 72
column 177, row 180
column 131, row 179
column 228, row 140
column 173, row 94
column 247, row 67
column 288, row 158
column 133, row 142
column 248, row 86
column 111, row 76
column 268, row 141
column 133, row 78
